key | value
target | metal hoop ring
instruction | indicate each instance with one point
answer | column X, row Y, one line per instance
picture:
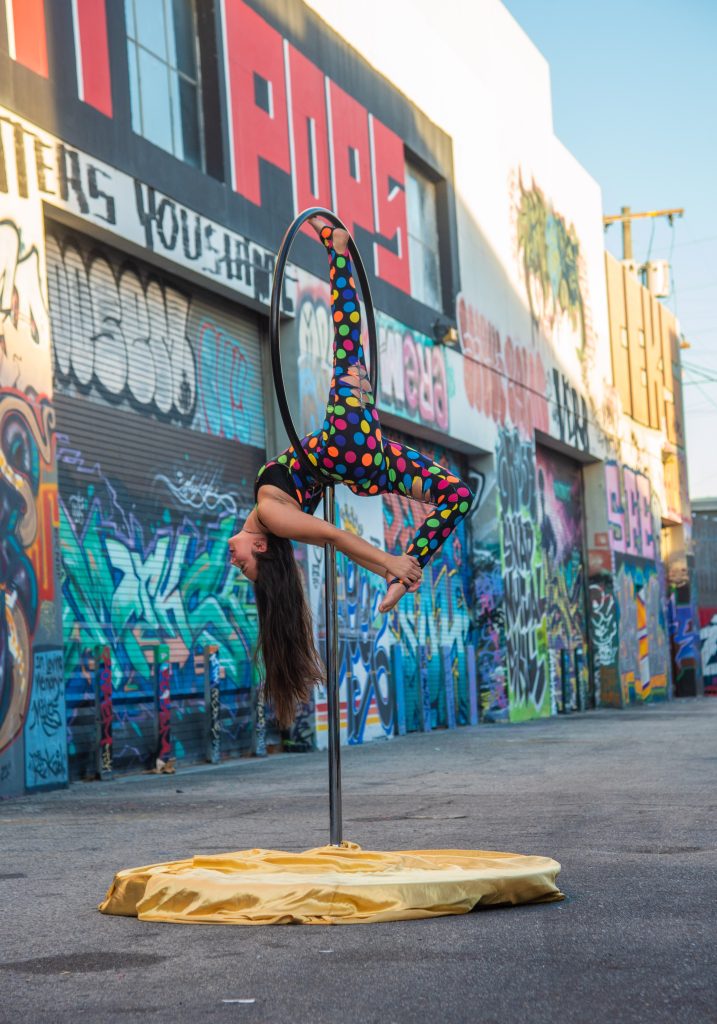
column 274, row 325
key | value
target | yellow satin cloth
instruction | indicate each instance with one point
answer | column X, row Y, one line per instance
column 329, row 885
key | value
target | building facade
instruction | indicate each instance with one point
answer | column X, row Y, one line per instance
column 151, row 157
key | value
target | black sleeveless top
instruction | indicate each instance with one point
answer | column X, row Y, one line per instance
column 278, row 476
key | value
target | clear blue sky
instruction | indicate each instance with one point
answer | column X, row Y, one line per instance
column 635, row 100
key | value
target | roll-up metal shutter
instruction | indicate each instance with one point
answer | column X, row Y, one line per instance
column 160, row 432
column 434, row 627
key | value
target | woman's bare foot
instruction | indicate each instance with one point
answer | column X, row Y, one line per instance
column 394, row 594
column 337, row 239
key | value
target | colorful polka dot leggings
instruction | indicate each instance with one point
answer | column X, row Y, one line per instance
column 350, row 447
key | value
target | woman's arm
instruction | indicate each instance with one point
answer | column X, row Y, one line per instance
column 286, row 520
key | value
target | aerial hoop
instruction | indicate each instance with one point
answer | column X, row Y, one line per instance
column 332, row 632
column 275, row 324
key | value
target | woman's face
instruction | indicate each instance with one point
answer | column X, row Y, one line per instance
column 242, row 552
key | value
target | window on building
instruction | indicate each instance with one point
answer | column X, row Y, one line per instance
column 423, row 252
column 165, row 92
column 624, row 338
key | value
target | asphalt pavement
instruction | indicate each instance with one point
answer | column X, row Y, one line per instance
column 625, row 800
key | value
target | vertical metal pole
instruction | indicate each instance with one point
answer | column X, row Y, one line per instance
column 212, row 725
column 332, row 677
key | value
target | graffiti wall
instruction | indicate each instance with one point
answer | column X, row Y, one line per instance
column 604, row 637
column 560, row 515
column 436, row 618
column 154, row 391
column 685, row 640
column 503, row 380
column 705, row 544
column 557, row 256
column 413, row 379
column 365, row 639
column 644, row 650
column 33, row 750
column 708, row 640
column 123, row 340
column 644, row 653
column 524, row 596
column 31, row 691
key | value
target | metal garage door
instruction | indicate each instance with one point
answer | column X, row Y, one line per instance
column 160, row 431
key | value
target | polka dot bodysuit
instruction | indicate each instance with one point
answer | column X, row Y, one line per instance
column 350, row 447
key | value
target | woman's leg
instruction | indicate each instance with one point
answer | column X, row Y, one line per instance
column 416, row 476
column 350, row 448
column 347, row 447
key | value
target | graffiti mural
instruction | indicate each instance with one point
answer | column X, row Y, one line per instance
column 24, row 348
column 489, row 634
column 604, row 637
column 144, row 569
column 644, row 656
column 708, row 640
column 438, row 615
column 705, row 546
column 119, row 335
column 644, row 651
column 504, row 381
column 549, row 255
column 130, row 338
column 685, row 641
column 24, row 453
column 412, row 377
column 33, row 752
column 523, row 578
column 629, row 512
column 367, row 701
column 364, row 637
column 45, row 740
column 560, row 515
column 103, row 698
column 570, row 413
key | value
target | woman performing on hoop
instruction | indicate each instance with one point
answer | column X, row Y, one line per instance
column 351, row 449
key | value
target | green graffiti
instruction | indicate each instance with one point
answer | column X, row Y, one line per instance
column 550, row 254
column 116, row 593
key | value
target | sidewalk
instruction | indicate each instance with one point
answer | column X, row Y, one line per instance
column 626, row 801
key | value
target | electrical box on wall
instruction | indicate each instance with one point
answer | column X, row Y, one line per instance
column 657, row 277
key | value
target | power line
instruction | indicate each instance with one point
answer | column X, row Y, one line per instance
column 689, row 365
column 696, row 241
column 673, row 286
column 699, row 287
column 709, row 398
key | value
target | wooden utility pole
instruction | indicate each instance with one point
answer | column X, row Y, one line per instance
column 627, row 217
column 626, row 233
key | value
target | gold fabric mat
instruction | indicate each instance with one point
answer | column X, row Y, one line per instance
column 329, row 885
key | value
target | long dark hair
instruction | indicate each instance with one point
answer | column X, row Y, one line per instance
column 286, row 641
